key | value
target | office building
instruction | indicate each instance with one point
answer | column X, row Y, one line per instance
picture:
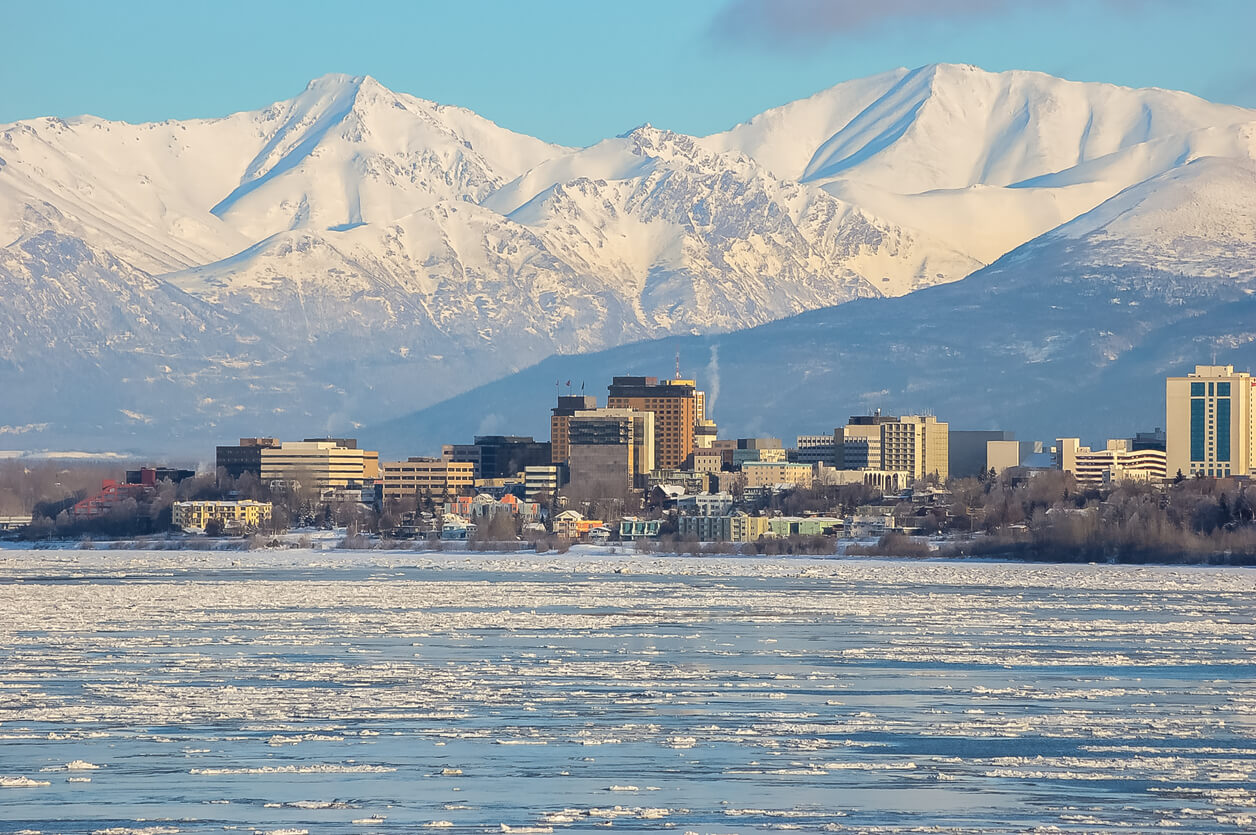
column 676, row 407
column 1116, row 463
column 918, row 445
column 500, row 456
column 542, row 480
column 814, row 449
column 370, row 458
column 1209, row 423
column 151, row 475
column 246, row 457
column 967, row 453
column 319, row 464
column 427, row 479
column 610, row 451
column 772, row 473
column 560, row 416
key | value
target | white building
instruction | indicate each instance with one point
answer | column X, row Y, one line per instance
column 1114, row 464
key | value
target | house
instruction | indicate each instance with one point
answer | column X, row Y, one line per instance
column 571, row 525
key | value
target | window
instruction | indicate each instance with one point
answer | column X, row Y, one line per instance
column 1223, row 429
column 1198, row 429
column 1197, row 389
column 1223, row 389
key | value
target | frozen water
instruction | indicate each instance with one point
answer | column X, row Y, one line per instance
column 326, row 691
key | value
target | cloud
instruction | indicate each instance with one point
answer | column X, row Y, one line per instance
column 793, row 23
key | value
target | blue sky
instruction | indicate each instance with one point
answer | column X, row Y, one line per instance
column 575, row 72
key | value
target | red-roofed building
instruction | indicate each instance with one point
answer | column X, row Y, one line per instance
column 111, row 495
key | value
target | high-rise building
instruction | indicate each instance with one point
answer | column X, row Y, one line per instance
column 560, row 416
column 611, row 451
column 915, row 444
column 427, row 479
column 675, row 406
column 500, row 456
column 1209, row 423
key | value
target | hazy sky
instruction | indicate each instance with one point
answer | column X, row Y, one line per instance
column 575, row 71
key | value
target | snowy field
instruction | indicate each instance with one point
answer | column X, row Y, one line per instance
column 164, row 692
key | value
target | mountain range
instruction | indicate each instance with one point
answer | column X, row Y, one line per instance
column 1001, row 248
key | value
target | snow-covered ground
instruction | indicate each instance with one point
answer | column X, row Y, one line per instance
column 389, row 691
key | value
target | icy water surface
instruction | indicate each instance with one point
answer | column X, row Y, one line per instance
column 342, row 692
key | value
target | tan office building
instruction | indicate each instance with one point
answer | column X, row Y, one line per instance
column 771, row 473
column 1209, row 423
column 918, row 445
column 319, row 464
column 428, row 478
column 676, row 407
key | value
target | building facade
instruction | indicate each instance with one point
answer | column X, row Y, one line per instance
column 246, row 457
column 610, row 451
column 771, row 473
column 500, row 456
column 1116, row 463
column 542, row 480
column 1209, row 423
column 560, row 417
column 433, row 479
column 676, row 409
column 241, row 515
column 319, row 464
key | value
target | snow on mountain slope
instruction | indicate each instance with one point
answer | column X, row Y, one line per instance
column 687, row 240
column 947, row 126
column 1152, row 281
column 784, row 139
column 355, row 253
column 349, row 151
column 987, row 161
column 171, row 195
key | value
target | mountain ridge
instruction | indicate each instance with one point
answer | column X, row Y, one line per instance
column 394, row 251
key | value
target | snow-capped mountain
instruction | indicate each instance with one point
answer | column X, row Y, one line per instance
column 1069, row 335
column 354, row 253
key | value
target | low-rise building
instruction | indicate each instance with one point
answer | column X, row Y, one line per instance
column 869, row 525
column 705, row 504
column 431, row 479
column 542, row 480
column 735, row 527
column 631, row 528
column 785, row 526
column 234, row 515
column 1118, row 462
column 770, row 473
column 112, row 495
